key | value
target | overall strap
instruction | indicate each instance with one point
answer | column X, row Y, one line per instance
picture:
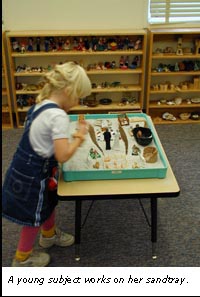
column 31, row 115
column 42, row 108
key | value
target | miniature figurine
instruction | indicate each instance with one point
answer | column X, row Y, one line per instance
column 60, row 44
column 38, row 44
column 30, row 100
column 67, row 45
column 126, row 63
column 113, row 46
column 113, row 65
column 176, row 68
column 15, row 45
column 135, row 150
column 30, row 45
column 135, row 63
column 179, row 50
column 121, row 62
column 197, row 46
column 80, row 46
column 107, row 65
column 131, row 45
column 86, row 43
column 138, row 44
column 75, row 43
column 21, row 101
column 52, row 43
column 107, row 138
column 46, row 44
column 116, row 141
column 23, row 48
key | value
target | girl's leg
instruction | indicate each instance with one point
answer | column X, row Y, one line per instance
column 50, row 235
column 48, row 227
column 26, row 242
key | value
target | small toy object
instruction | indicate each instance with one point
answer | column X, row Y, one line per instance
column 15, row 45
column 142, row 135
column 130, row 45
column 197, row 46
column 53, row 45
column 30, row 100
column 46, row 44
column 60, row 44
column 121, row 62
column 168, row 116
column 123, row 119
column 107, row 138
column 30, row 45
column 113, row 46
column 53, row 180
column 138, row 44
column 38, row 44
column 116, row 141
column 67, row 45
column 150, row 154
column 135, row 150
column 21, row 101
column 23, row 47
column 179, row 50
column 184, row 116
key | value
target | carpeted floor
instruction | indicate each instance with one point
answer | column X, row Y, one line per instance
column 116, row 232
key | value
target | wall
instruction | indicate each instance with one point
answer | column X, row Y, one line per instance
column 74, row 14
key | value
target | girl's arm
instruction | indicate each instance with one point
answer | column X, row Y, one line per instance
column 64, row 148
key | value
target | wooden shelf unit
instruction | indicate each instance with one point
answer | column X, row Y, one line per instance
column 130, row 81
column 7, row 119
column 164, row 84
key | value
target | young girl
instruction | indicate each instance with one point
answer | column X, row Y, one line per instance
column 29, row 191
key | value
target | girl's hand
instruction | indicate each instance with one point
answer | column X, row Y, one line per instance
column 83, row 127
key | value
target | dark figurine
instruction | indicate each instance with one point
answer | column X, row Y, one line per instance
column 38, row 44
column 107, row 138
column 46, row 44
column 15, row 45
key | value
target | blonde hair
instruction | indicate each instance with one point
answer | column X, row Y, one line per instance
column 69, row 77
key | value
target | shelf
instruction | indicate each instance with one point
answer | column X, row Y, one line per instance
column 174, row 56
column 89, row 72
column 172, row 106
column 160, row 121
column 100, row 52
column 99, row 107
column 7, row 119
column 169, row 48
column 175, row 91
column 175, row 73
column 78, row 53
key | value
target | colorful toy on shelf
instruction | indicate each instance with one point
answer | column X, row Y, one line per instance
column 30, row 45
column 15, row 45
column 138, row 44
column 60, row 43
column 179, row 50
column 23, row 47
column 197, row 46
column 46, row 44
column 67, row 45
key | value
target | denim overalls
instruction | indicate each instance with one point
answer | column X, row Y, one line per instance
column 25, row 196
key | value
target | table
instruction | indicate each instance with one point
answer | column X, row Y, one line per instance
column 152, row 188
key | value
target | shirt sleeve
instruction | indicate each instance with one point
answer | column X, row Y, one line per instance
column 60, row 126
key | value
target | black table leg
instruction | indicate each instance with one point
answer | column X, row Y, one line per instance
column 154, row 226
column 77, row 229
